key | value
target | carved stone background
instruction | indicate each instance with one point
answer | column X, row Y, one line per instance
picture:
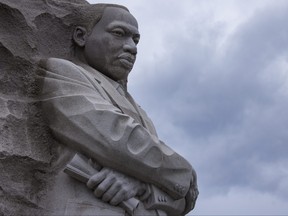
column 29, row 29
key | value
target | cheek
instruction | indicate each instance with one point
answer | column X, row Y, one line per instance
column 112, row 43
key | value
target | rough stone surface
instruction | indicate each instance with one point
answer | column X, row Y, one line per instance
column 25, row 143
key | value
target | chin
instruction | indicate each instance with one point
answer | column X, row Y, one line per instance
column 119, row 74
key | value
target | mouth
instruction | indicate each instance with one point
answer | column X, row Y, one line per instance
column 127, row 60
column 126, row 63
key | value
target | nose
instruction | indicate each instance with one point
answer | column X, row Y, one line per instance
column 130, row 46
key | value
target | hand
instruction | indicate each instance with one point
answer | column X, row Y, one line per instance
column 192, row 194
column 114, row 187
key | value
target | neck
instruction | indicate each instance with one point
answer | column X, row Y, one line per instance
column 123, row 83
column 78, row 56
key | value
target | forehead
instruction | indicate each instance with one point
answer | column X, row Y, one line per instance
column 114, row 15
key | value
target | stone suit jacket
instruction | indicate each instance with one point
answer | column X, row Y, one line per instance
column 93, row 115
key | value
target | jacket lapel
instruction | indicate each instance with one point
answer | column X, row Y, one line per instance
column 126, row 105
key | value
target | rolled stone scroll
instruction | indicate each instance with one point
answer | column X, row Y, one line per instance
column 80, row 169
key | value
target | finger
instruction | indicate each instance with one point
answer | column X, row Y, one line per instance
column 96, row 179
column 118, row 198
column 94, row 164
column 111, row 192
column 103, row 186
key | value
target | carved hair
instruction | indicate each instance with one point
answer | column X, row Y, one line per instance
column 88, row 15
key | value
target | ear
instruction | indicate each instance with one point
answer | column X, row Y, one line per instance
column 80, row 36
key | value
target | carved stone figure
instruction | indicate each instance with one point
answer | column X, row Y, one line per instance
column 106, row 158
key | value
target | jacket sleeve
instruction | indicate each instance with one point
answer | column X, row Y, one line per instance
column 81, row 118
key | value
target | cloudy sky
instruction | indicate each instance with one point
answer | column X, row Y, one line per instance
column 213, row 76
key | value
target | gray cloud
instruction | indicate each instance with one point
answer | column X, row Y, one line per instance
column 231, row 105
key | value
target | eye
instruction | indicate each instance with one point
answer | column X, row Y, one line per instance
column 118, row 32
column 136, row 39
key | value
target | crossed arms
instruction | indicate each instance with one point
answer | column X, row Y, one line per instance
column 80, row 117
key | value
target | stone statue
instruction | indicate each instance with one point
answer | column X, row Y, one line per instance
column 101, row 136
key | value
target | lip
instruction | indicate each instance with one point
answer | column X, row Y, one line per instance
column 127, row 60
column 126, row 63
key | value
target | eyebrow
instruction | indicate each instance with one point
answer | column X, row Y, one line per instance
column 128, row 29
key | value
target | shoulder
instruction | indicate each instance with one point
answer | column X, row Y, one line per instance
column 57, row 67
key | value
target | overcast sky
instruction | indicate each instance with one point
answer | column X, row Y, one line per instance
column 213, row 76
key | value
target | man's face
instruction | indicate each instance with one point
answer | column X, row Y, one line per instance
column 111, row 47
